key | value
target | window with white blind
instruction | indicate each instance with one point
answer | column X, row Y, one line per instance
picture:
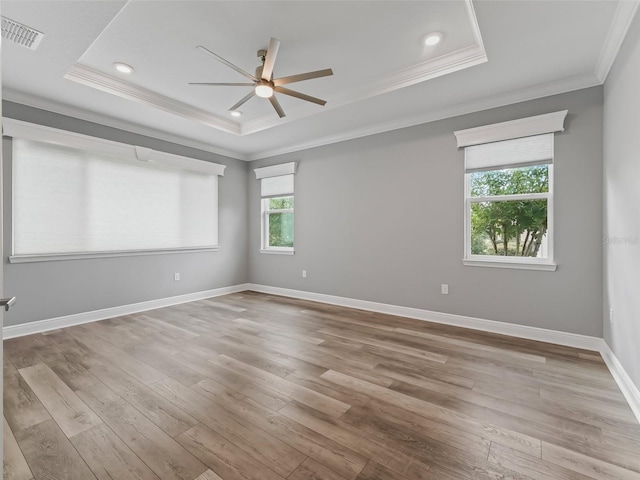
column 76, row 196
column 276, row 205
column 509, row 193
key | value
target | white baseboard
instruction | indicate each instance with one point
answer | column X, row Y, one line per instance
column 520, row 331
column 39, row 326
column 628, row 388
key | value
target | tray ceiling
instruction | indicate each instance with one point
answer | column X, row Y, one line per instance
column 384, row 75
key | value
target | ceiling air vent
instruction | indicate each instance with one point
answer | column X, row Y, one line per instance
column 21, row 34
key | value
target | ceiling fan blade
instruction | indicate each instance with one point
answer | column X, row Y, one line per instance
column 270, row 59
column 302, row 76
column 223, row 84
column 244, row 99
column 227, row 63
column 299, row 95
column 276, row 105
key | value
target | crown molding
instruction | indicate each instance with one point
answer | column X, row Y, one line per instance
column 521, row 95
column 41, row 103
column 475, row 27
column 443, row 65
column 91, row 77
column 517, row 96
column 617, row 33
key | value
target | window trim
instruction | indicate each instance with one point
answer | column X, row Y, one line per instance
column 525, row 263
column 525, row 127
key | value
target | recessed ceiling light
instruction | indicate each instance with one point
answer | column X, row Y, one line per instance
column 236, row 113
column 433, row 39
column 123, row 67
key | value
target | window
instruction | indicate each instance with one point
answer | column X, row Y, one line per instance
column 509, row 197
column 277, row 204
column 76, row 196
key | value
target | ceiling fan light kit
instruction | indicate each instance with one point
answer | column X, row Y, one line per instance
column 264, row 89
column 263, row 83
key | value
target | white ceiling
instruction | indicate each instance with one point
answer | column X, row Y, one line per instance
column 493, row 53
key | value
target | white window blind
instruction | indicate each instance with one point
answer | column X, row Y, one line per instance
column 518, row 152
column 276, row 186
column 75, row 200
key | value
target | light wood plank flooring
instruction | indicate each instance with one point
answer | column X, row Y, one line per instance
column 257, row 387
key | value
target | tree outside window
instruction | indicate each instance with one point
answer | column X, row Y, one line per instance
column 509, row 211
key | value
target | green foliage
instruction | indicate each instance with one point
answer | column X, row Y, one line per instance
column 280, row 203
column 281, row 223
column 511, row 227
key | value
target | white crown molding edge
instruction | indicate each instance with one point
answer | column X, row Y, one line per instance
column 90, row 77
column 41, row 103
column 39, row 326
column 522, row 127
column 629, row 389
column 475, row 26
column 436, row 67
column 517, row 96
column 620, row 24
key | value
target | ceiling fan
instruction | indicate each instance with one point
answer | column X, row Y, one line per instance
column 263, row 83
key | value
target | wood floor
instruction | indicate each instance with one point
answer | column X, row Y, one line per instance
column 256, row 387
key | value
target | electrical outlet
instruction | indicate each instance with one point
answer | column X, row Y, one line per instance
column 611, row 316
column 176, row 277
column 445, row 289
column 304, row 274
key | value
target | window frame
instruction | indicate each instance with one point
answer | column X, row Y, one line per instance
column 266, row 212
column 262, row 173
column 528, row 263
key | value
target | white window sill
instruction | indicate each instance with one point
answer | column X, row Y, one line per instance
column 126, row 253
column 517, row 264
column 278, row 252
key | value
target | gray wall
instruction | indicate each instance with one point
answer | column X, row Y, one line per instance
column 378, row 218
column 51, row 289
column 381, row 219
column 622, row 204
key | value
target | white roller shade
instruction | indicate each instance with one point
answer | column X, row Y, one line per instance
column 518, row 152
column 276, row 186
column 67, row 200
